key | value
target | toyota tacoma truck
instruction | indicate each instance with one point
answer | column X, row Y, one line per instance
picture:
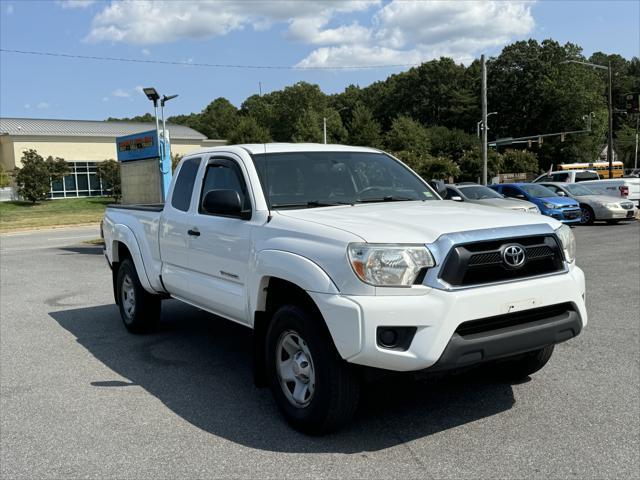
column 344, row 261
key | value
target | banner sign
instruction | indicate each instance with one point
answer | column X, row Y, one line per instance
column 138, row 146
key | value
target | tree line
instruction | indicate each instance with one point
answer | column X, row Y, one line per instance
column 428, row 114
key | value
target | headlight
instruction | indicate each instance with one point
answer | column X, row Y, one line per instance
column 385, row 265
column 568, row 242
column 548, row 205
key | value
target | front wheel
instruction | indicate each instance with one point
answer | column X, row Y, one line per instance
column 139, row 309
column 587, row 217
column 314, row 388
column 524, row 365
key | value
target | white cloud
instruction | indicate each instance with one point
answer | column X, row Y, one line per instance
column 9, row 9
column 43, row 105
column 120, row 93
column 406, row 32
column 148, row 22
column 69, row 4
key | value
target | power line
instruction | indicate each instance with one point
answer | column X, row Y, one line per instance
column 209, row 65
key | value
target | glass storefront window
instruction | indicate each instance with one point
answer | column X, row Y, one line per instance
column 83, row 181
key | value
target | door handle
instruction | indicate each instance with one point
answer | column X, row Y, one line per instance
column 193, row 232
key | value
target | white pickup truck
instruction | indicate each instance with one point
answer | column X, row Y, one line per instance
column 343, row 261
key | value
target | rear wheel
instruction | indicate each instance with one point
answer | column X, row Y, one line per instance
column 587, row 217
column 527, row 364
column 314, row 388
column 139, row 309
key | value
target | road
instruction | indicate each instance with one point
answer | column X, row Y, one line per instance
column 80, row 397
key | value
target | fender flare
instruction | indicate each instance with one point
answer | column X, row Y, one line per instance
column 123, row 234
column 288, row 266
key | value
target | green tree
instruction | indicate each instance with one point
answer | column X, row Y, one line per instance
column 308, row 128
column 450, row 142
column 34, row 178
column 471, row 165
column 175, row 160
column 5, row 178
column 364, row 130
column 519, row 161
column 248, row 131
column 428, row 167
column 406, row 134
column 109, row 172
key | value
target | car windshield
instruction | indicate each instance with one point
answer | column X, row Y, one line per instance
column 574, row 189
column 537, row 191
column 479, row 192
column 318, row 179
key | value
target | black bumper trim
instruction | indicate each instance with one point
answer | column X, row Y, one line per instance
column 483, row 347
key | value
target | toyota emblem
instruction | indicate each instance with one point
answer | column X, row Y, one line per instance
column 513, row 256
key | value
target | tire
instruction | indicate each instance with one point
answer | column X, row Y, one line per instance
column 524, row 365
column 332, row 389
column 139, row 309
column 588, row 216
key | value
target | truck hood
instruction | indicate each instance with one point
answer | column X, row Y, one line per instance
column 414, row 222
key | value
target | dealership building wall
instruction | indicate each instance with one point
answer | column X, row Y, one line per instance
column 83, row 144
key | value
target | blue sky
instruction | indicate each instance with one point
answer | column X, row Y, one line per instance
column 283, row 33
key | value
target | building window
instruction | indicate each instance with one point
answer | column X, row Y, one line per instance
column 82, row 182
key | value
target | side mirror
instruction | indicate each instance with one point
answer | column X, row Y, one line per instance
column 439, row 186
column 521, row 196
column 223, row 202
column 561, row 193
column 456, row 198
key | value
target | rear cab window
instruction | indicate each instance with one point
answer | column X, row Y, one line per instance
column 584, row 176
column 183, row 188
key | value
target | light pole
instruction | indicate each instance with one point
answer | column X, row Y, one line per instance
column 483, row 97
column 164, row 100
column 610, row 106
column 153, row 95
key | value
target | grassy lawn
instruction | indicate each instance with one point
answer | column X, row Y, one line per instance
column 50, row 213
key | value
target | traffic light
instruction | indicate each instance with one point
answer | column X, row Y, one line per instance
column 632, row 102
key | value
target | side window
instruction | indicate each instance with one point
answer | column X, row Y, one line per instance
column 451, row 193
column 512, row 192
column 183, row 187
column 225, row 175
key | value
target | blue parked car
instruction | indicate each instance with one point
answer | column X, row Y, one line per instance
column 565, row 209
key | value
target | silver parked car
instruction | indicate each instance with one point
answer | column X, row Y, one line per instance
column 474, row 193
column 594, row 206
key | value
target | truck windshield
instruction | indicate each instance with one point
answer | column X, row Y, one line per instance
column 318, row 179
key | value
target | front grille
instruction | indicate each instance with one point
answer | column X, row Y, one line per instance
column 482, row 262
column 507, row 320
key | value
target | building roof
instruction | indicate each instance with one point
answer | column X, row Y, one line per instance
column 88, row 128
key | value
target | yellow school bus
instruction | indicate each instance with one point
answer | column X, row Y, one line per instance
column 601, row 167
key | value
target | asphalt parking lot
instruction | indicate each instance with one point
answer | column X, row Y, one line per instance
column 82, row 398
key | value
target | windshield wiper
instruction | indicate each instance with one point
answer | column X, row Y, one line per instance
column 387, row 198
column 310, row 204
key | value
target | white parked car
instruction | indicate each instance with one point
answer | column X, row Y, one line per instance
column 342, row 259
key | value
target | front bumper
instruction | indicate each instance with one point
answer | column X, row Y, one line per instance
column 565, row 215
column 353, row 320
column 610, row 213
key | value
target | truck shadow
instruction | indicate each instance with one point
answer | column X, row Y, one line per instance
column 199, row 366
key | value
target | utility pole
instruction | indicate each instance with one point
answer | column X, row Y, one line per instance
column 324, row 129
column 635, row 160
column 610, row 135
column 484, row 120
